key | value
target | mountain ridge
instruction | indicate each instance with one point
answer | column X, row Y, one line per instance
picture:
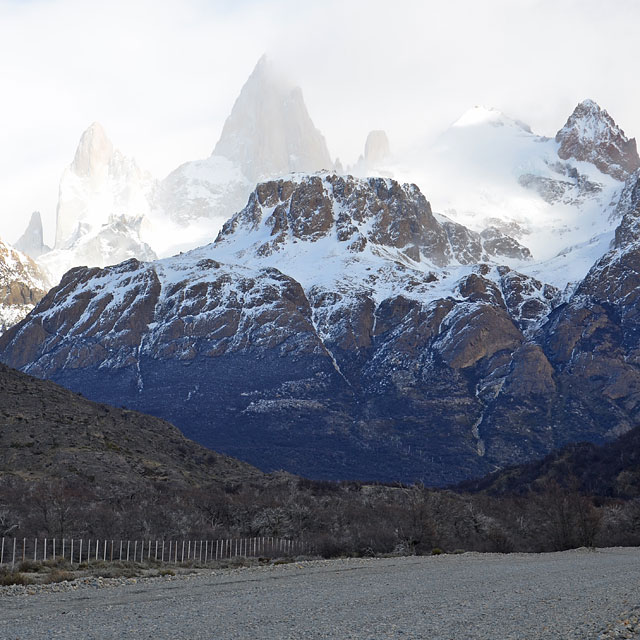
column 419, row 368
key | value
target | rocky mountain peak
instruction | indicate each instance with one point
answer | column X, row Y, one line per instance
column 356, row 214
column 94, row 152
column 101, row 192
column 591, row 135
column 22, row 285
column 269, row 131
column 376, row 148
column 31, row 241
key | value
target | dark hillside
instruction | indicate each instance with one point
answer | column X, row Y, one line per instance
column 608, row 470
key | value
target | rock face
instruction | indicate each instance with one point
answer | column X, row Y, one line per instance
column 22, row 285
column 376, row 148
column 269, row 131
column 591, row 135
column 31, row 241
column 268, row 134
column 102, row 207
column 374, row 212
column 99, row 183
column 336, row 329
column 376, row 159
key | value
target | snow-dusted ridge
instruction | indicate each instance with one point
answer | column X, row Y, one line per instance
column 338, row 316
column 555, row 195
column 22, row 284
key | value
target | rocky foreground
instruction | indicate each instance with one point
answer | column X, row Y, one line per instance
column 575, row 594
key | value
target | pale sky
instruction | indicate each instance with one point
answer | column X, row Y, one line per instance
column 161, row 76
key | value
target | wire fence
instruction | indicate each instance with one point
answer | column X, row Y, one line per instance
column 78, row 550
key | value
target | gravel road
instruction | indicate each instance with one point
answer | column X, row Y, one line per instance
column 574, row 594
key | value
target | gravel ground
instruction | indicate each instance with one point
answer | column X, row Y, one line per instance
column 575, row 594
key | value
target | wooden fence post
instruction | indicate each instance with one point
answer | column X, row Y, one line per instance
column 2, row 552
column 13, row 561
column 182, row 559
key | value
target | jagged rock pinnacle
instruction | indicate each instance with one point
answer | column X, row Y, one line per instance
column 376, row 148
column 31, row 241
column 93, row 153
column 269, row 131
column 591, row 135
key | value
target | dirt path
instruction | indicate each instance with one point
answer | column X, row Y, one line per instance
column 573, row 594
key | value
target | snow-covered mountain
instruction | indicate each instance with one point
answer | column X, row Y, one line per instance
column 336, row 327
column 269, row 131
column 102, row 208
column 557, row 196
column 268, row 134
column 110, row 210
column 100, row 183
column 591, row 135
column 340, row 326
column 22, row 285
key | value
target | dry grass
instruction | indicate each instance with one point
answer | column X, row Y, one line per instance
column 59, row 575
column 8, row 578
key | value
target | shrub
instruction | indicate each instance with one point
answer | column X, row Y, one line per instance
column 59, row 575
column 14, row 577
column 29, row 566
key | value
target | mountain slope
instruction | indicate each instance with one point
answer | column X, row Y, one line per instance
column 22, row 285
column 556, row 196
column 102, row 208
column 591, row 135
column 611, row 469
column 336, row 328
column 51, row 433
